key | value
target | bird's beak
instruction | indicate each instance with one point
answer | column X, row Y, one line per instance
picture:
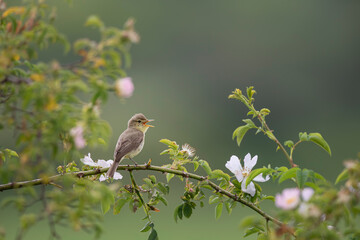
column 147, row 125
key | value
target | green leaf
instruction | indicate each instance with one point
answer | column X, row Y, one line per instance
column 205, row 165
column 169, row 176
column 163, row 200
column 319, row 140
column 239, row 133
column 11, row 153
column 289, row 143
column 213, row 199
column 228, row 207
column 152, row 178
column 82, row 43
column 312, row 185
column 94, row 21
column 119, row 204
column 176, row 213
column 163, row 188
column 147, row 227
column 301, row 177
column 250, row 123
column 270, row 135
column 105, row 206
column 291, row 173
column 272, row 198
column 264, row 112
column 251, row 112
column 281, row 169
column 171, row 144
column 250, row 92
column 319, row 176
column 217, row 173
column 218, row 210
column 166, row 151
column 148, row 182
column 315, row 176
column 236, row 183
column 27, row 220
column 248, row 221
column 196, row 165
column 153, row 235
column 342, row 176
column 187, row 210
column 101, row 141
column 107, row 200
column 258, row 130
column 303, row 136
column 251, row 231
column 180, row 211
column 255, row 173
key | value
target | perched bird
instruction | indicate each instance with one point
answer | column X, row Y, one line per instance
column 131, row 141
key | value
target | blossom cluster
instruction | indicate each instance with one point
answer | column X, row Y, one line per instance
column 87, row 160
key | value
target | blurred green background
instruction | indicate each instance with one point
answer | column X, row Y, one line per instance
column 301, row 56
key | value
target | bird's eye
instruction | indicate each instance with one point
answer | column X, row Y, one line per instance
column 139, row 121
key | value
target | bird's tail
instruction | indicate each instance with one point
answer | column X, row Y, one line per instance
column 110, row 173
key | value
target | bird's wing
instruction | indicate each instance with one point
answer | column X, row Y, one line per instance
column 128, row 141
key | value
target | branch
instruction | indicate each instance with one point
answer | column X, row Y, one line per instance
column 16, row 80
column 49, row 214
column 81, row 174
column 289, row 158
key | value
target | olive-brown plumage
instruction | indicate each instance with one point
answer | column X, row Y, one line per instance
column 131, row 141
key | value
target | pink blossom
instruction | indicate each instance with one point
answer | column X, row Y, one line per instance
column 124, row 87
column 288, row 199
column 78, row 134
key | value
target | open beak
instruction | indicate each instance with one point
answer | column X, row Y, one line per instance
column 147, row 125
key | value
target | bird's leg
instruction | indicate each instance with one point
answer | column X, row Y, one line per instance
column 133, row 161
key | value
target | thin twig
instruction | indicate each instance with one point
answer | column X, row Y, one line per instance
column 82, row 174
column 49, row 216
column 136, row 189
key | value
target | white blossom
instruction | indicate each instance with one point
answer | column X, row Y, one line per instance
column 241, row 173
column 87, row 160
column 188, row 150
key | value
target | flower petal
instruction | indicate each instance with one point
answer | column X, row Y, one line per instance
column 103, row 163
column 260, row 178
column 103, row 177
column 248, row 162
column 250, row 189
column 307, row 193
column 117, row 176
column 87, row 160
column 78, row 135
column 239, row 176
column 234, row 164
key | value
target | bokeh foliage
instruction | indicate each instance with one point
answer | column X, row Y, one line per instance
column 41, row 103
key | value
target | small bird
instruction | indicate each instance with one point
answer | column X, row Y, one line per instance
column 130, row 142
